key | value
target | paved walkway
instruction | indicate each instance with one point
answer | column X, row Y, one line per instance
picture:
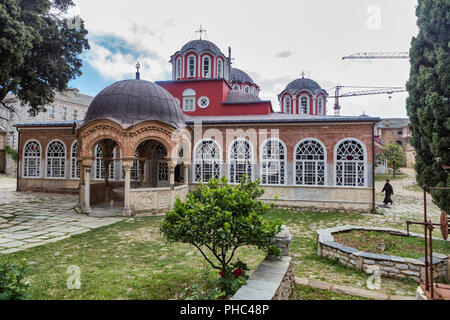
column 408, row 204
column 30, row 219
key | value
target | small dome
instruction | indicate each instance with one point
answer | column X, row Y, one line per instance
column 303, row 83
column 238, row 75
column 130, row 102
column 201, row 46
column 235, row 96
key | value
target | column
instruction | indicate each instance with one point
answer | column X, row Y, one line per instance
column 87, row 165
column 107, row 163
column 80, row 197
column 186, row 172
column 172, row 164
column 127, row 164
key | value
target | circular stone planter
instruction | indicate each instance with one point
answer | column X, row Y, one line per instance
column 391, row 266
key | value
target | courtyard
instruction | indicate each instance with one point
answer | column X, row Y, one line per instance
column 127, row 258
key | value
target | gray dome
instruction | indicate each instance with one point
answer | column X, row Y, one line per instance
column 238, row 75
column 201, row 46
column 130, row 102
column 303, row 83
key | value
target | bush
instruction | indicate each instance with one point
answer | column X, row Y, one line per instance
column 12, row 284
column 13, row 153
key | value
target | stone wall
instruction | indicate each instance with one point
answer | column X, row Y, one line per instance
column 391, row 266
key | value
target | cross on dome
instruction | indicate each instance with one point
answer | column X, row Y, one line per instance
column 303, row 74
column 200, row 31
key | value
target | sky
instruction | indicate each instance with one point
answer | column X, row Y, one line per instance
column 273, row 41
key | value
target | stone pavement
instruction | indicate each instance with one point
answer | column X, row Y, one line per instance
column 408, row 204
column 30, row 219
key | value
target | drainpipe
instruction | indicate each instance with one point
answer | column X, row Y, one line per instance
column 18, row 159
column 373, row 169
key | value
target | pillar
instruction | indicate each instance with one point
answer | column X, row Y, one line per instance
column 172, row 164
column 80, row 197
column 141, row 171
column 107, row 163
column 127, row 164
column 186, row 172
column 87, row 165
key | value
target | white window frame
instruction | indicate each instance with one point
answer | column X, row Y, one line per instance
column 26, row 161
column 179, row 68
column 189, row 99
column 74, row 165
column 320, row 105
column 61, row 160
column 51, row 112
column 219, row 71
column 213, row 162
column 99, row 161
column 285, row 99
column 246, row 89
column 308, row 103
column 364, row 162
column 209, row 73
column 248, row 162
column 64, row 113
column 236, row 87
column 200, row 100
column 315, row 161
column 189, row 66
column 282, row 180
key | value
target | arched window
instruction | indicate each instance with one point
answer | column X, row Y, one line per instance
column 99, row 165
column 236, row 87
column 56, row 160
column 178, row 68
column 310, row 163
column 135, row 172
column 287, row 105
column 206, row 67
column 320, row 106
column 247, row 89
column 32, row 160
column 207, row 161
column 304, row 104
column 74, row 165
column 240, row 158
column 191, row 66
column 189, row 100
column 273, row 162
column 219, row 68
column 350, row 163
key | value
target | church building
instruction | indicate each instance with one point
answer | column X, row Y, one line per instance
column 142, row 144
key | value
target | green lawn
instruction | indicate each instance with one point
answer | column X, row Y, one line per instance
column 131, row 260
column 384, row 177
column 308, row 293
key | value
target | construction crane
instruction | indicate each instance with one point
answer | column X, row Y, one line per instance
column 364, row 92
column 378, row 55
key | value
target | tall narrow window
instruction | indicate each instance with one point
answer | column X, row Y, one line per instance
column 350, row 163
column 99, row 165
column 247, row 89
column 74, row 165
column 310, row 162
column 189, row 100
column 273, row 162
column 287, row 105
column 75, row 114
column 206, row 67
column 219, row 68
column 304, row 104
column 191, row 71
column 64, row 113
column 240, row 157
column 178, row 67
column 32, row 160
column 207, row 161
column 236, row 87
column 51, row 112
column 56, row 160
column 320, row 106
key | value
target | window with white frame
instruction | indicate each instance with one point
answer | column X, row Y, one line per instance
column 287, row 105
column 178, row 68
column 247, row 89
column 99, row 165
column 219, row 68
column 191, row 66
column 74, row 165
column 206, row 67
column 189, row 100
column 203, row 102
column 75, row 114
column 32, row 160
column 350, row 163
column 240, row 160
column 273, row 162
column 310, row 163
column 51, row 112
column 236, row 87
column 64, row 113
column 304, row 104
column 207, row 161
column 320, row 106
column 56, row 160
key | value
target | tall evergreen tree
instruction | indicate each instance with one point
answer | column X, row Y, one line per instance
column 39, row 51
column 428, row 104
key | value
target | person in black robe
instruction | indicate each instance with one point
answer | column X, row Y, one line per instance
column 389, row 191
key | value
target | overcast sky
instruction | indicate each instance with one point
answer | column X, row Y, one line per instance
column 273, row 41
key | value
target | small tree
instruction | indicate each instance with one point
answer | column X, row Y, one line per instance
column 218, row 219
column 395, row 156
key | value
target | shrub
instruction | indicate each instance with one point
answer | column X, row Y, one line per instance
column 13, row 153
column 12, row 284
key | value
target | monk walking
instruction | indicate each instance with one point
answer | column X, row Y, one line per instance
column 389, row 191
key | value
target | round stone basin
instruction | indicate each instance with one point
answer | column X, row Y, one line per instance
column 388, row 265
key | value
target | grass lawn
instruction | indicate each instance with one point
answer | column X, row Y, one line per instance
column 131, row 260
column 384, row 177
column 308, row 293
column 407, row 247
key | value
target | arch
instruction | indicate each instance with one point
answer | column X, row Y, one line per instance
column 287, row 103
column 56, row 160
column 99, row 164
column 207, row 160
column 74, row 165
column 31, row 163
column 240, row 159
column 206, row 67
column 304, row 103
column 191, row 66
column 350, row 155
column 273, row 162
column 189, row 100
column 310, row 162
